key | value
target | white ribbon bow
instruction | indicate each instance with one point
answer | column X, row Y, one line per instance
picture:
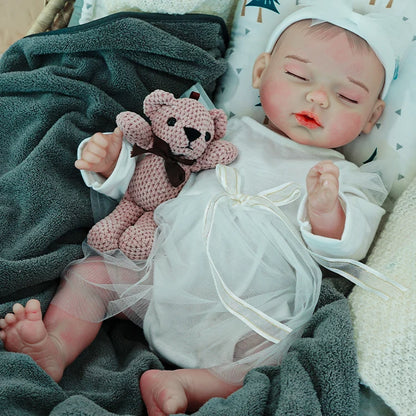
column 271, row 200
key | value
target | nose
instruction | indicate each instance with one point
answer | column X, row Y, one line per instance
column 319, row 97
column 191, row 134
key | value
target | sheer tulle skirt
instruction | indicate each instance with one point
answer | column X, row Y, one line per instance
column 228, row 289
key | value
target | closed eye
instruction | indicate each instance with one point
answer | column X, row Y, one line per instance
column 350, row 100
column 292, row 74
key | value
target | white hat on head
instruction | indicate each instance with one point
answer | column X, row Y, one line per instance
column 387, row 34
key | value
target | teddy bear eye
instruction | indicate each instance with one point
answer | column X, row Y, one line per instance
column 171, row 121
column 207, row 136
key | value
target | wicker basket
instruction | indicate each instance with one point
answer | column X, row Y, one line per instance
column 55, row 15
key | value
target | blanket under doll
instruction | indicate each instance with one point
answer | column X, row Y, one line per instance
column 56, row 89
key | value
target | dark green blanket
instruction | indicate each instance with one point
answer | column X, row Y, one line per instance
column 55, row 90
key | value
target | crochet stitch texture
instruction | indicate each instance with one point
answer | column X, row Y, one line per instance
column 385, row 331
column 183, row 131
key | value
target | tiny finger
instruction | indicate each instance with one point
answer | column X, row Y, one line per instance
column 82, row 165
column 118, row 133
column 91, row 158
column 100, row 139
column 97, row 150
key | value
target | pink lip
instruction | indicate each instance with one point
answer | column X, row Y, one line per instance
column 308, row 119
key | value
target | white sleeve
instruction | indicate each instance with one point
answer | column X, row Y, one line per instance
column 116, row 185
column 362, row 218
column 361, row 222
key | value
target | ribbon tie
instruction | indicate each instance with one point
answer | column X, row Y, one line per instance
column 270, row 200
column 174, row 171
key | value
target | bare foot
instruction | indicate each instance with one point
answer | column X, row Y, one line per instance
column 163, row 392
column 23, row 331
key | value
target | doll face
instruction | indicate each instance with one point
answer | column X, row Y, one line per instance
column 319, row 91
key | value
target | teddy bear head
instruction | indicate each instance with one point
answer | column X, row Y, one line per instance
column 184, row 123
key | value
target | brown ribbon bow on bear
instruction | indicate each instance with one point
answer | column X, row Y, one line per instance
column 174, row 170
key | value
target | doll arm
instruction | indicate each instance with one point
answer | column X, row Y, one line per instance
column 361, row 223
column 362, row 217
column 116, row 184
column 219, row 151
column 136, row 130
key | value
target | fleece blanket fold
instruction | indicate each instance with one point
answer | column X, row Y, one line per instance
column 55, row 90
column 317, row 377
column 60, row 87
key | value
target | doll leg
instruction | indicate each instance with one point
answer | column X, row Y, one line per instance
column 56, row 340
column 137, row 241
column 178, row 391
column 105, row 235
column 53, row 342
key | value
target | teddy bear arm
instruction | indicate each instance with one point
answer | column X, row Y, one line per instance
column 135, row 128
column 220, row 151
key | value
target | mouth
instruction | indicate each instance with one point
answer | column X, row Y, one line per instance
column 308, row 119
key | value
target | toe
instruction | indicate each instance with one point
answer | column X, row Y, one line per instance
column 10, row 319
column 19, row 311
column 33, row 311
column 3, row 324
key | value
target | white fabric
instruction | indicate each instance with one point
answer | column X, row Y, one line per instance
column 385, row 331
column 96, row 9
column 362, row 214
column 221, row 7
column 199, row 293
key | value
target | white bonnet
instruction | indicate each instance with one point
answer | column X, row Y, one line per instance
column 387, row 34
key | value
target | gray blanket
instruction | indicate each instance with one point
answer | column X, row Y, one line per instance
column 55, row 90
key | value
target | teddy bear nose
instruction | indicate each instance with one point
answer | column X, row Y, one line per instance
column 191, row 134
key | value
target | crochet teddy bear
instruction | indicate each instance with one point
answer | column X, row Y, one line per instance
column 182, row 137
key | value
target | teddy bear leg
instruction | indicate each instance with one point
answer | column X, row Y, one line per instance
column 105, row 234
column 137, row 241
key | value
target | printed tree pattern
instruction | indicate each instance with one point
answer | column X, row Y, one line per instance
column 389, row 4
column 261, row 4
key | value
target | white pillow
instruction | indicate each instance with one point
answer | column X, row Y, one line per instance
column 95, row 9
column 392, row 140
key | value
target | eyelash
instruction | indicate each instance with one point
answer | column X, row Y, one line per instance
column 296, row 76
column 343, row 97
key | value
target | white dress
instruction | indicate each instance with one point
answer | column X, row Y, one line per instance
column 231, row 280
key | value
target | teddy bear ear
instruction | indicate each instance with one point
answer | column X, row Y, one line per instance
column 155, row 100
column 220, row 122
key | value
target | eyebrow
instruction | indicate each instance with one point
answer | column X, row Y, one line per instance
column 360, row 84
column 298, row 58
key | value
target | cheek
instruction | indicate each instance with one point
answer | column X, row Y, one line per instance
column 274, row 98
column 345, row 128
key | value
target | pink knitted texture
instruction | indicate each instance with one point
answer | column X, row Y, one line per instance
column 192, row 133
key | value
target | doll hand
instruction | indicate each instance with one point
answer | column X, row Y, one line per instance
column 325, row 212
column 101, row 152
column 322, row 186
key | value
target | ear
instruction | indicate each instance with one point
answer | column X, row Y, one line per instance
column 220, row 122
column 374, row 116
column 155, row 100
column 260, row 65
